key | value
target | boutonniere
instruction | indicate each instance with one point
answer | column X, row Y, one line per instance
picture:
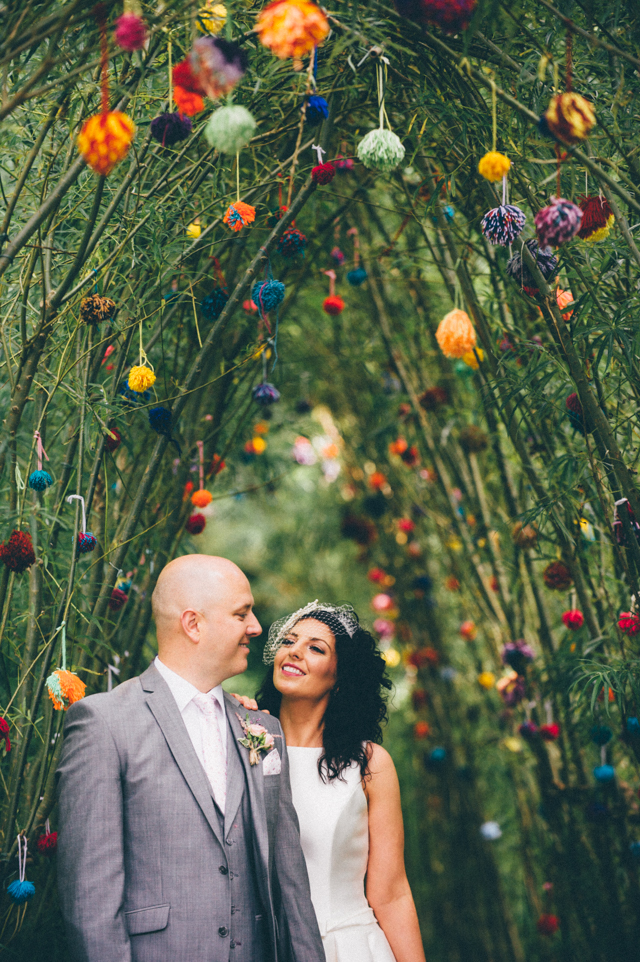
column 256, row 738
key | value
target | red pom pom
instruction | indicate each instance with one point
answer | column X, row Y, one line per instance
column 17, row 553
column 333, row 304
column 550, row 732
column 547, row 924
column 376, row 575
column 183, row 77
column 628, row 623
column 596, row 216
column 47, row 843
column 323, row 174
column 4, row 733
column 112, row 444
column 118, row 599
column 130, row 33
column 195, row 524
column 573, row 619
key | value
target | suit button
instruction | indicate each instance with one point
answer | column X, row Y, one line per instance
column 229, row 841
column 223, row 870
column 232, row 944
column 223, row 931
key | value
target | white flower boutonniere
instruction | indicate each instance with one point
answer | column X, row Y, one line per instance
column 256, row 738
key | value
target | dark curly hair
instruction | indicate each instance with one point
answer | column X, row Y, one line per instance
column 357, row 704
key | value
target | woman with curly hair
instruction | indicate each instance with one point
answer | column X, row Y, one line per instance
column 328, row 689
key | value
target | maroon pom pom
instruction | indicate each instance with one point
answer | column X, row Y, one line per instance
column 557, row 576
column 17, row 553
column 596, row 216
column 547, row 924
column 323, row 173
column 195, row 524
column 130, row 33
column 47, row 843
column 112, row 444
column 118, row 599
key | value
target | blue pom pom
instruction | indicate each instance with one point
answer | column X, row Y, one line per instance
column 292, row 242
column 160, row 420
column 604, row 773
column 633, row 726
column 437, row 756
column 267, row 295
column 634, row 848
column 422, row 583
column 213, row 304
column 86, row 542
column 317, row 109
column 357, row 276
column 21, row 892
column 40, row 480
column 266, row 394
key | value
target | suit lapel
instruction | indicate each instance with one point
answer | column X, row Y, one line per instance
column 165, row 711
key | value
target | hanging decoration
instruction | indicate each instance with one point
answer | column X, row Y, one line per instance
column 130, row 33
column 40, row 480
column 94, row 309
column 141, row 377
column 118, row 599
column 267, row 296
column 215, row 66
column 597, row 218
column 601, row 735
column 106, row 137
column 187, row 103
column 211, row 17
column 557, row 576
column 322, row 173
column 573, row 619
column 47, row 843
column 195, row 524
column 618, row 526
column 265, row 394
column 557, row 223
column 494, row 166
column 64, row 686
column 4, row 736
column 569, row 118
column 170, row 127
column 381, row 149
column 501, row 225
column 201, row 498
column 86, row 540
column 358, row 274
column 316, row 110
column 292, row 243
column 214, row 303
column 452, row 16
column 333, row 304
column 291, row 28
column 161, row 421
column 239, row 214
column 576, row 415
column 229, row 129
column 17, row 553
column 21, row 891
column 113, row 440
column 455, row 334
column 629, row 623
column 545, row 262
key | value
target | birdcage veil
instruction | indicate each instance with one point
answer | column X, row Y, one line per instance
column 344, row 614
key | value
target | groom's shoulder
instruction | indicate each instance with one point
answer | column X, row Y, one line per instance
column 122, row 698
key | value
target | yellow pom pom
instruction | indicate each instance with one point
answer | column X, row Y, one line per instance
column 105, row 140
column 455, row 334
column 194, row 229
column 201, row 498
column 211, row 17
column 292, row 28
column 487, row 679
column 259, row 445
column 494, row 166
column 471, row 360
column 569, row 117
column 141, row 377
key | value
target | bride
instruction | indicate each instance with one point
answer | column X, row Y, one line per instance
column 326, row 688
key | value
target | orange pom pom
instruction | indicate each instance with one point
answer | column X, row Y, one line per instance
column 201, row 498
column 64, row 688
column 239, row 215
column 563, row 298
column 105, row 140
column 186, row 102
column 455, row 334
column 292, row 28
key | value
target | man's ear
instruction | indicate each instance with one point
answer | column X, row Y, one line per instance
column 190, row 621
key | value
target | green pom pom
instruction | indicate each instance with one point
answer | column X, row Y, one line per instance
column 230, row 129
column 381, row 150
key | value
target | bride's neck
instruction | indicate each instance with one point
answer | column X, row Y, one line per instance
column 302, row 722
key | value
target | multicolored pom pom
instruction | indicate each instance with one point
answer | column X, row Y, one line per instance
column 94, row 309
column 597, row 219
column 292, row 242
column 568, row 118
column 265, row 394
column 65, row 688
column 170, row 128
column 239, row 215
column 216, row 66
column 268, row 295
column 105, row 140
column 545, row 261
column 86, row 542
column 381, row 150
column 557, row 223
column 503, row 224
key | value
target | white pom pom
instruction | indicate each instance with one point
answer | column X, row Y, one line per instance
column 381, row 150
column 230, row 129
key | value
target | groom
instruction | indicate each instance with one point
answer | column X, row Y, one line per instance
column 172, row 846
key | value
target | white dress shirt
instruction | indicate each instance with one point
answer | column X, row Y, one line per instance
column 183, row 692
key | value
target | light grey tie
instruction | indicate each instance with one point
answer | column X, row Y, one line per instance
column 214, row 761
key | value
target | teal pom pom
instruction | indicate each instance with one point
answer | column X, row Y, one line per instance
column 381, row 150
column 357, row 276
column 21, row 892
column 40, row 480
column 604, row 773
column 230, row 129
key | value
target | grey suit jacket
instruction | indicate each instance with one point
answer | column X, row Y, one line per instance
column 141, row 845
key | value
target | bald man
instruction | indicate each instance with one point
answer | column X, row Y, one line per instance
column 172, row 846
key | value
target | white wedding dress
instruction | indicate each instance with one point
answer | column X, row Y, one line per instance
column 334, row 831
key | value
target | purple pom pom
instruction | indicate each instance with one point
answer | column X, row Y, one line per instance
column 266, row 394
column 545, row 261
column 169, row 129
column 557, row 223
column 503, row 224
column 517, row 654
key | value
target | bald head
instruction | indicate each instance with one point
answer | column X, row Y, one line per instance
column 202, row 606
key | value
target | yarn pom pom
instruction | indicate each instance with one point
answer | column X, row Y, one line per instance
column 211, row 17
column 195, row 524
column 573, row 619
column 265, row 394
column 105, row 140
column 239, row 215
column 86, row 542
column 216, row 66
column 503, row 224
column 576, row 414
column 381, row 150
column 629, row 623
column 230, row 129
column 267, row 295
column 557, row 576
column 213, row 304
column 130, row 32
column 291, row 28
column 47, row 843
column 4, row 735
column 317, row 109
column 112, row 444
column 494, row 166
column 451, row 16
column 357, row 276
column 94, row 309
column 547, row 924
column 344, row 164
column 550, row 733
column 569, row 118
column 21, row 892
column 118, row 599
column 169, row 129
column 323, row 174
column 187, row 103
column 337, row 256
column 160, row 420
column 601, row 735
column 455, row 334
column 597, row 218
column 333, row 304
column 292, row 242
column 64, row 688
column 184, row 77
column 201, row 498
column 544, row 259
column 528, row 729
column 141, row 377
column 517, row 655
column 40, row 480
column 604, row 773
column 557, row 223
column 17, row 553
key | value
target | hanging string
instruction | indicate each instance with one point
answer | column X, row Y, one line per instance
column 238, row 174
column 104, row 56
column 332, row 282
column 78, row 497
column 319, row 151
column 559, row 159
column 22, row 857
column 569, row 61
column 353, row 232
column 504, row 191
column 170, row 76
column 40, row 450
column 494, row 115
column 200, row 445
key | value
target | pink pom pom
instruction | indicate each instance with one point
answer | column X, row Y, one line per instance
column 131, row 33
column 558, row 223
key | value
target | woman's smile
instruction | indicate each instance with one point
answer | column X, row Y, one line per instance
column 292, row 670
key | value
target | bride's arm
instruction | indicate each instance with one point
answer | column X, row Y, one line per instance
column 388, row 889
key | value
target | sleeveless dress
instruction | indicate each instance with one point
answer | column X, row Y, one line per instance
column 334, row 831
